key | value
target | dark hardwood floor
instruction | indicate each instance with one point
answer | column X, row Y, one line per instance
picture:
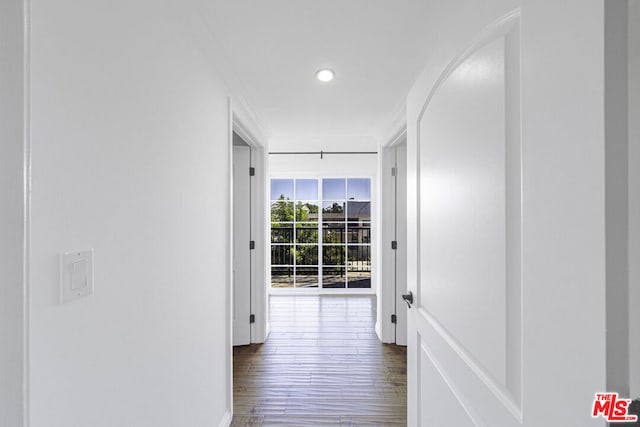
column 321, row 366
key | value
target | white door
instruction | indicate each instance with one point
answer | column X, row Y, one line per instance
column 401, row 237
column 391, row 307
column 506, row 226
column 241, row 245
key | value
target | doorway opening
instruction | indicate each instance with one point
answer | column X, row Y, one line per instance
column 247, row 290
column 323, row 361
column 242, row 250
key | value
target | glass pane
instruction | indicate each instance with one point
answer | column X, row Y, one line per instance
column 307, row 233
column 359, row 211
column 306, row 277
column 307, row 211
column 306, row 254
column 306, row 189
column 332, row 211
column 333, row 255
column 281, row 189
column 359, row 232
column 281, row 255
column 281, row 233
column 281, row 211
column 333, row 189
column 333, row 277
column 359, row 279
column 333, row 232
column 359, row 189
column 359, row 257
column 359, row 266
column 282, row 277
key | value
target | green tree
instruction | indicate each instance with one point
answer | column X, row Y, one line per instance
column 282, row 210
column 335, row 208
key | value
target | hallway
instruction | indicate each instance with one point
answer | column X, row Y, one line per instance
column 322, row 365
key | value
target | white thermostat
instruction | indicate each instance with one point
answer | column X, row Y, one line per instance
column 76, row 275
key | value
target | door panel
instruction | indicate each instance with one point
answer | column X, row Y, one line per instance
column 435, row 387
column 241, row 249
column 463, row 191
column 467, row 312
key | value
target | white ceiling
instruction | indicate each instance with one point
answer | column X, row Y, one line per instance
column 274, row 47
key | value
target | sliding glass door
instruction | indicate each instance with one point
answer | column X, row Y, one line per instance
column 321, row 233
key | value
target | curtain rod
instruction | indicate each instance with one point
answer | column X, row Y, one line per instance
column 322, row 153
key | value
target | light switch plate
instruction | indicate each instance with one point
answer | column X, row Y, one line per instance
column 76, row 275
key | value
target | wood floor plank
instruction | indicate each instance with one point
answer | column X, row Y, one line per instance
column 323, row 365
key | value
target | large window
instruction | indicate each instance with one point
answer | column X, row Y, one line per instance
column 321, row 233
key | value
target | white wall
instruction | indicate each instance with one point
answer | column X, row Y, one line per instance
column 324, row 143
column 634, row 195
column 617, row 230
column 563, row 210
column 308, row 165
column 330, row 165
column 130, row 157
column 11, row 212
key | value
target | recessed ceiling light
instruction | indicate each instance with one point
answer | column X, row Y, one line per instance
column 325, row 75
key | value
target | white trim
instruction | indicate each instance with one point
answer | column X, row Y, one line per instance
column 398, row 139
column 634, row 195
column 226, row 420
column 378, row 330
column 396, row 125
column 251, row 125
column 229, row 260
column 501, row 393
column 455, row 390
column 27, row 158
column 323, row 291
column 241, row 127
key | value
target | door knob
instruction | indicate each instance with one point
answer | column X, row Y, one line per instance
column 408, row 298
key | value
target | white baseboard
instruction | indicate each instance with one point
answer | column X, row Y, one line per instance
column 226, row 420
